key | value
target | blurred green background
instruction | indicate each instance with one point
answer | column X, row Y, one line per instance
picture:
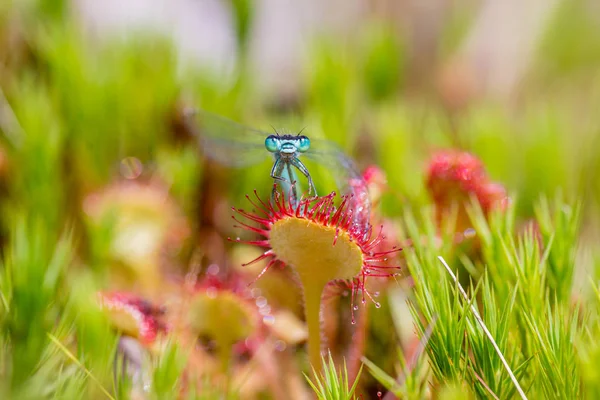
column 92, row 93
column 390, row 84
column 78, row 100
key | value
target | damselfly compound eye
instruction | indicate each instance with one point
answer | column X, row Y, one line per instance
column 272, row 144
column 303, row 144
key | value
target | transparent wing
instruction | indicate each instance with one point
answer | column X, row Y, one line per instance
column 341, row 167
column 225, row 141
column 345, row 174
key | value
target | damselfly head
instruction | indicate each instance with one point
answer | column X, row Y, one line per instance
column 287, row 143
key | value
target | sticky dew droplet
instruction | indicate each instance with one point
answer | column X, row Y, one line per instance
column 213, row 269
column 131, row 167
column 261, row 301
column 280, row 345
column 211, row 292
column 469, row 233
column 265, row 310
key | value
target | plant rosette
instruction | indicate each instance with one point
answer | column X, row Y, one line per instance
column 321, row 244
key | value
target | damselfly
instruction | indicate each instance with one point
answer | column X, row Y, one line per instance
column 229, row 143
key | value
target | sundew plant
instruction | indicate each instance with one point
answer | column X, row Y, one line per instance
column 245, row 200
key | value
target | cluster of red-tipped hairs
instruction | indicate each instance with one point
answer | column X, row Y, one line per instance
column 453, row 173
column 320, row 210
column 145, row 314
